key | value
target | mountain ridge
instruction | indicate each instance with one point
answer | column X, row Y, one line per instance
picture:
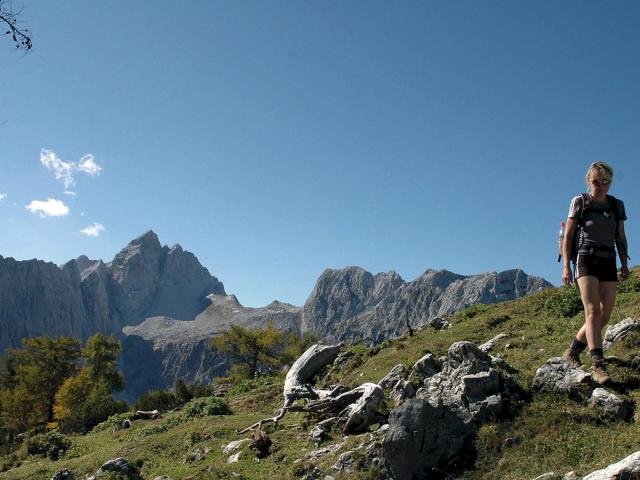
column 165, row 298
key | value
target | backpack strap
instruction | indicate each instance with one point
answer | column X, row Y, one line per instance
column 581, row 219
column 586, row 205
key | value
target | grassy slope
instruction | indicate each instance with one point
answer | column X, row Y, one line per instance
column 551, row 433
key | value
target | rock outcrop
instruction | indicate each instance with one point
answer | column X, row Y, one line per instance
column 558, row 376
column 422, row 436
column 353, row 305
column 435, row 429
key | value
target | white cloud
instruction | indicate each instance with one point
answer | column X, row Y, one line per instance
column 64, row 170
column 61, row 169
column 93, row 230
column 88, row 165
column 48, row 208
column 69, row 192
column 2, row 196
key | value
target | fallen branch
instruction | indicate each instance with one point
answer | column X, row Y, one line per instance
column 354, row 409
column 297, row 382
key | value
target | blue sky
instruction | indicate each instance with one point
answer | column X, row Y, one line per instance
column 276, row 139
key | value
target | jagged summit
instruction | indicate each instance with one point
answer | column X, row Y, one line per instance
column 147, row 238
column 439, row 278
column 176, row 247
column 353, row 305
column 83, row 262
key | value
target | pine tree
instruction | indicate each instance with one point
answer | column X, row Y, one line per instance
column 253, row 350
column 101, row 355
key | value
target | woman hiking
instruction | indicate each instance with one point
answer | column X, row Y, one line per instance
column 597, row 219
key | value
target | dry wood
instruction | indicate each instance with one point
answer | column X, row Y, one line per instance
column 354, row 408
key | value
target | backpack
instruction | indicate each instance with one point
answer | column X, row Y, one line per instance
column 612, row 207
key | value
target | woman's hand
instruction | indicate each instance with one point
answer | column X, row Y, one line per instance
column 624, row 272
column 567, row 278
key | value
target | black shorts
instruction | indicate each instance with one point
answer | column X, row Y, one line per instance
column 604, row 269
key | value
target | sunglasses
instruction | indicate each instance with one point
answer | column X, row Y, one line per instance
column 601, row 181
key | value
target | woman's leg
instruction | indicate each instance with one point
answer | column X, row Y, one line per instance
column 590, row 332
column 607, row 299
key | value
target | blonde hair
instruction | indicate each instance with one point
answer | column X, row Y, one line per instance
column 598, row 167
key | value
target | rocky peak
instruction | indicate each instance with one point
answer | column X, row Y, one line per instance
column 439, row 278
column 83, row 262
column 354, row 305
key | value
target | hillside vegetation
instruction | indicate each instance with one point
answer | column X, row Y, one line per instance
column 549, row 433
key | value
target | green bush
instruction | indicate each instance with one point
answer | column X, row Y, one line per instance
column 98, row 406
column 204, row 406
column 564, row 302
column 631, row 285
column 164, row 400
column 112, row 421
column 52, row 445
column 188, row 391
column 160, row 400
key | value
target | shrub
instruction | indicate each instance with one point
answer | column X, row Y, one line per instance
column 188, row 391
column 204, row 406
column 632, row 285
column 160, row 400
column 564, row 302
column 112, row 421
column 98, row 406
column 52, row 445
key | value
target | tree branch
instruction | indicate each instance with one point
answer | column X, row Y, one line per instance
column 21, row 37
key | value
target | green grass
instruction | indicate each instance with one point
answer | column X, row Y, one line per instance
column 551, row 432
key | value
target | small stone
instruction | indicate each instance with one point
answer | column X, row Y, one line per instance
column 235, row 445
column 557, row 375
column 618, row 331
column 610, row 403
column 234, row 458
column 64, row 474
column 344, row 463
column 318, row 433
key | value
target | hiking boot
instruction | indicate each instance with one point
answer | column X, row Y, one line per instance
column 599, row 372
column 572, row 357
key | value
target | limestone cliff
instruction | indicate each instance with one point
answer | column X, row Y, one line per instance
column 85, row 296
column 352, row 304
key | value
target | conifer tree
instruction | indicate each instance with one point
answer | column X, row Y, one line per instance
column 252, row 349
column 101, row 355
column 30, row 377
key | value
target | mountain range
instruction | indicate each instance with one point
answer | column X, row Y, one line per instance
column 164, row 306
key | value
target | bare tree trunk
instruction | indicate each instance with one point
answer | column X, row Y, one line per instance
column 354, row 408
